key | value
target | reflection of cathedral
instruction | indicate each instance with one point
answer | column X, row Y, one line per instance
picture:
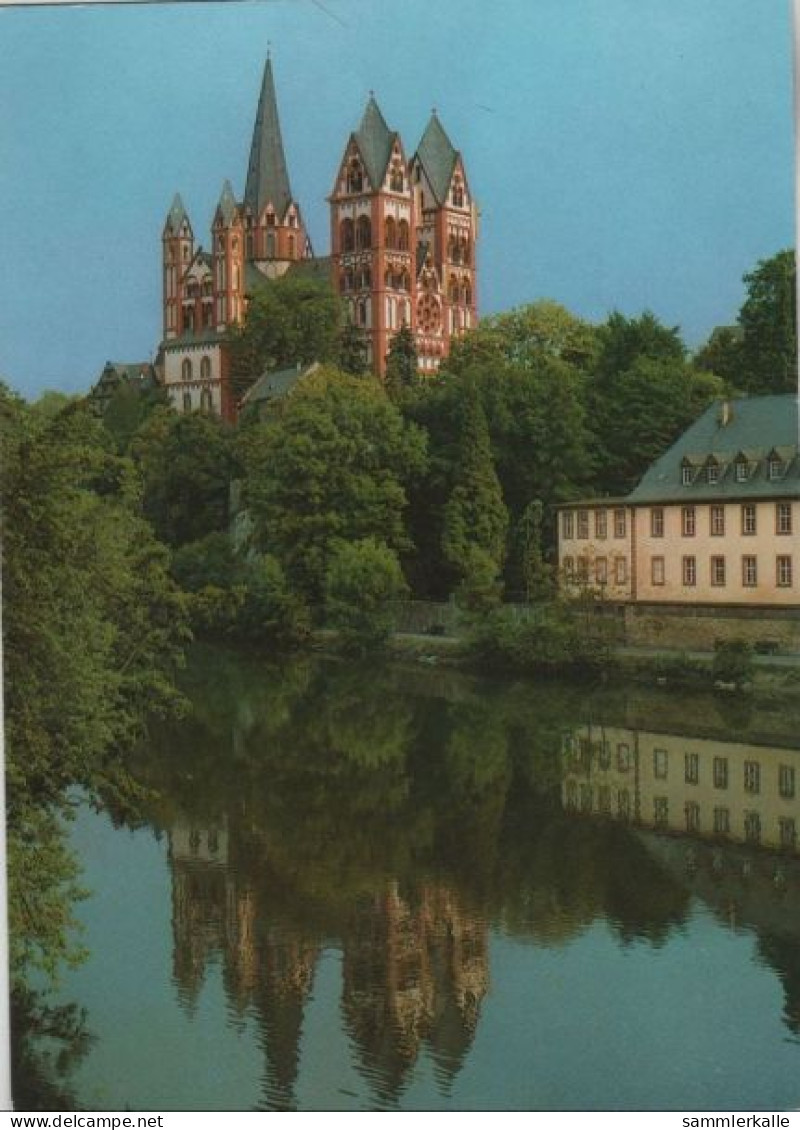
column 415, row 966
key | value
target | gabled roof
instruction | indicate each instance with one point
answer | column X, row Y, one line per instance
column 267, row 174
column 375, row 141
column 438, row 157
column 276, row 385
column 755, row 426
column 176, row 215
column 227, row 205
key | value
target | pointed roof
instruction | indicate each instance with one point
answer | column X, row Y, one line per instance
column 438, row 157
column 227, row 204
column 375, row 141
column 267, row 175
column 176, row 215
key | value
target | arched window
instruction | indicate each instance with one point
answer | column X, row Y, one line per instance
column 402, row 235
column 205, row 369
column 249, row 245
column 465, row 252
column 186, row 370
column 458, row 195
column 355, row 176
column 191, row 289
column 346, row 281
column 270, row 245
column 396, row 181
column 205, row 400
column 187, row 402
column 347, row 237
column 363, row 233
column 207, row 287
column 292, row 243
column 405, row 281
column 452, row 249
column 362, row 312
column 270, row 219
column 467, row 294
column 390, row 233
column 452, row 289
column 365, row 278
column 188, row 319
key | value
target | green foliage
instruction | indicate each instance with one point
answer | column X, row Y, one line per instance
column 524, row 337
column 333, row 464
column 480, row 588
column 93, row 627
column 127, row 410
column 362, row 582
column 402, row 364
column 722, row 355
column 733, row 662
column 768, row 320
column 270, row 612
column 353, row 350
column 537, row 577
column 475, row 517
column 623, row 341
column 209, row 561
column 186, row 463
column 289, row 320
column 554, row 638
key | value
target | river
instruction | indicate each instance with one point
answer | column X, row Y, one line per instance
column 365, row 887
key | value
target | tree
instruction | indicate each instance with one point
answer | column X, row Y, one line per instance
column 289, row 320
column 93, row 628
column 402, row 364
column 186, row 463
column 353, row 350
column 333, row 464
column 474, row 516
column 722, row 355
column 622, row 341
column 536, row 575
column 363, row 581
column 768, row 320
column 526, row 335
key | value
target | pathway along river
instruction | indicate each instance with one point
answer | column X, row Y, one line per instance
column 401, row 889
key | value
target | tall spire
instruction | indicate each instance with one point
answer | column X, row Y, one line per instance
column 375, row 141
column 267, row 176
column 438, row 157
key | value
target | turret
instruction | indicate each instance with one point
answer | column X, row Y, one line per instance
column 228, row 258
column 178, row 251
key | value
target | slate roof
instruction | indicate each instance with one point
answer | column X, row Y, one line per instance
column 275, row 385
column 176, row 215
column 202, row 337
column 116, row 373
column 757, row 428
column 267, row 174
column 438, row 157
column 227, row 204
column 375, row 141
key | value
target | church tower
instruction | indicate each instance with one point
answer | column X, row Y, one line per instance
column 177, row 243
column 447, row 230
column 372, row 221
column 275, row 236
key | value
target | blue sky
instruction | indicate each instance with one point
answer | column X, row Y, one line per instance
column 627, row 154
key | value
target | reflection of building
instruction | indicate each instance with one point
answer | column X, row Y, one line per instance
column 415, row 965
column 733, row 791
column 415, row 970
column 713, row 521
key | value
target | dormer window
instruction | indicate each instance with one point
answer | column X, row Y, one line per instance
column 775, row 467
column 741, row 471
column 687, row 474
column 712, row 473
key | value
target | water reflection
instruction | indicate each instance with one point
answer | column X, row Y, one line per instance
column 396, row 818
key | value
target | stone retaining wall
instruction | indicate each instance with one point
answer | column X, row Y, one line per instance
column 698, row 629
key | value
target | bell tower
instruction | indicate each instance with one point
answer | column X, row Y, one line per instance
column 177, row 243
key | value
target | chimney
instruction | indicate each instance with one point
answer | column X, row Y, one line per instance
column 725, row 413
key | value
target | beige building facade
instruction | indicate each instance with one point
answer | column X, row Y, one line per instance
column 715, row 521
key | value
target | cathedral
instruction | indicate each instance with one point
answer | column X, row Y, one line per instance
column 403, row 235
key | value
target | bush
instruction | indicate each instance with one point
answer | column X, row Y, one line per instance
column 558, row 637
column 362, row 581
column 270, row 611
column 733, row 662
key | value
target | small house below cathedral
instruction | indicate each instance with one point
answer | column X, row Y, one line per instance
column 403, row 252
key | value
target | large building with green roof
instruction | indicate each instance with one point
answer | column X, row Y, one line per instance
column 403, row 252
column 714, row 521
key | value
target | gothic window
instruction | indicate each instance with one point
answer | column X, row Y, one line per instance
column 363, row 233
column 467, row 294
column 205, row 368
column 347, row 237
column 207, row 287
column 188, row 319
column 185, row 253
column 362, row 312
column 390, row 233
column 405, row 281
column 355, row 176
column 396, row 182
column 452, row 289
column 366, row 278
column 458, row 195
column 270, row 245
column 208, row 314
column 187, row 402
column 270, row 219
column 291, row 246
column 191, row 290
column 465, row 252
column 403, row 239
column 452, row 249
column 186, row 370
column 346, row 281
column 205, row 399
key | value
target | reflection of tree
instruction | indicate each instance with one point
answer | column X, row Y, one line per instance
column 49, row 1041
column 783, row 955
